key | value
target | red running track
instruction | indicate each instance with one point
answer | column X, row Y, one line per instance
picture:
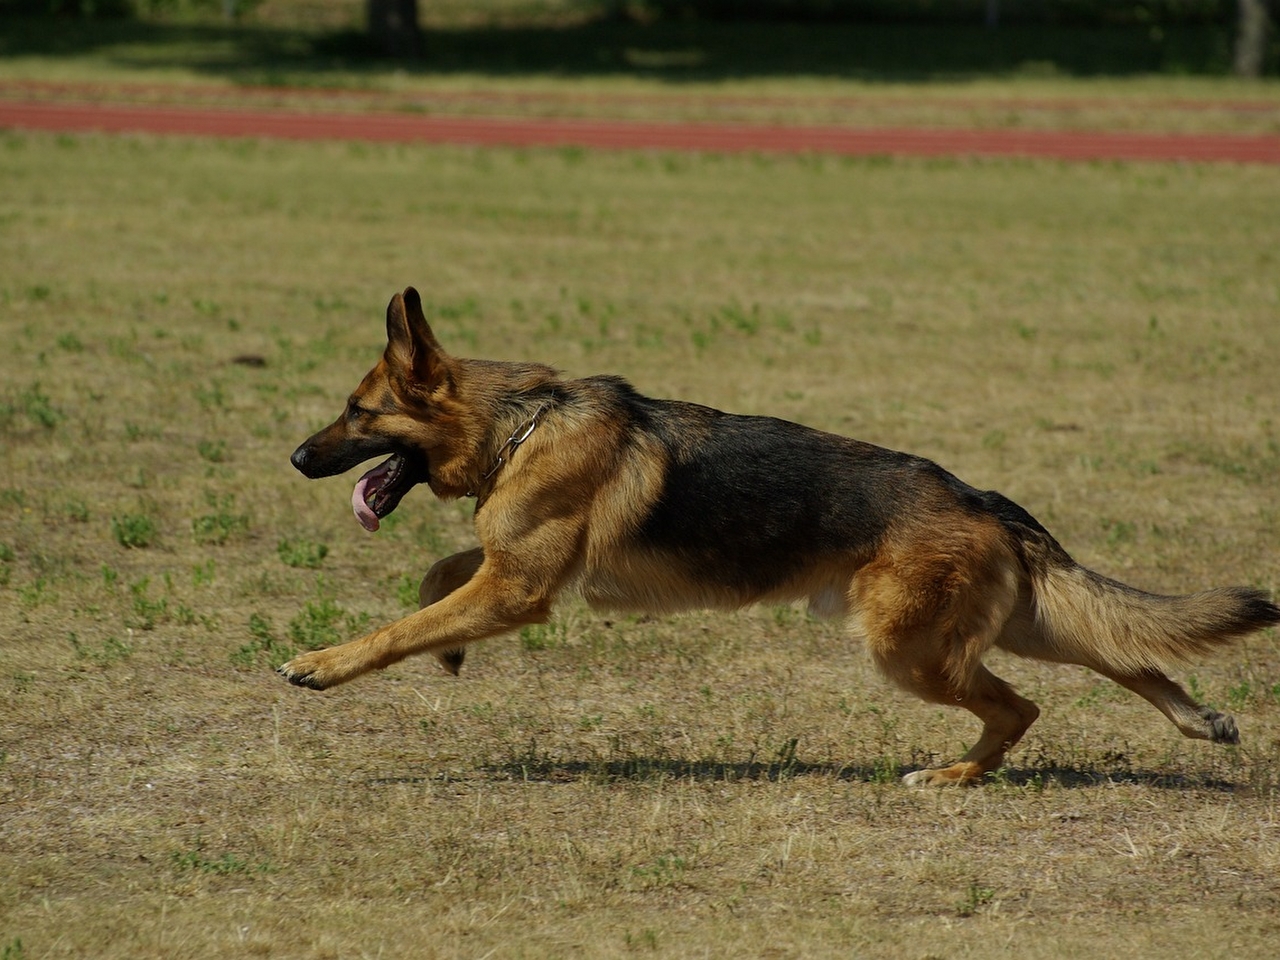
column 638, row 135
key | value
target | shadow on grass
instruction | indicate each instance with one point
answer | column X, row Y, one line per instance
column 645, row 769
column 678, row 51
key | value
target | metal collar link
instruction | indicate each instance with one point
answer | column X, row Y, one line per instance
column 521, row 434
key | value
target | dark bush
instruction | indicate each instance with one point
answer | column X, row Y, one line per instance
column 1053, row 12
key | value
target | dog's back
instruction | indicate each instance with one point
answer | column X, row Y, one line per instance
column 935, row 572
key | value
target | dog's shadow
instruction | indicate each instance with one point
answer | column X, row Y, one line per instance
column 653, row 769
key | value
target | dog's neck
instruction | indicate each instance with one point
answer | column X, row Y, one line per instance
column 507, row 451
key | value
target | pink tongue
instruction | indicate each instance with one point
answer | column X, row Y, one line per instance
column 364, row 513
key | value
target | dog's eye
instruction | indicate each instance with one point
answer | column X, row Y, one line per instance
column 355, row 411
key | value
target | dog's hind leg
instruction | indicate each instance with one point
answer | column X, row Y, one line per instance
column 929, row 617
column 1005, row 718
column 444, row 577
column 1193, row 719
column 920, row 666
column 925, row 664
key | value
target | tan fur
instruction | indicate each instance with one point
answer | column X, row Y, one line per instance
column 569, row 478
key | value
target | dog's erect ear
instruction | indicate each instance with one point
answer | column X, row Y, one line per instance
column 412, row 350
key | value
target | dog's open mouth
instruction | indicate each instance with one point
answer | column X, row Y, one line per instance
column 380, row 490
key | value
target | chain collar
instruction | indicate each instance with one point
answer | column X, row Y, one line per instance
column 508, row 449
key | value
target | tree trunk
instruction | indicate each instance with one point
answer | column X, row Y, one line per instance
column 393, row 26
column 1251, row 39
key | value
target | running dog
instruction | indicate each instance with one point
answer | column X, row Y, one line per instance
column 658, row 505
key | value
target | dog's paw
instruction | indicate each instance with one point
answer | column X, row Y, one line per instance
column 1222, row 726
column 452, row 660
column 313, row 670
column 918, row 778
column 960, row 774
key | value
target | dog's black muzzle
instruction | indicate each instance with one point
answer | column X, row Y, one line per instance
column 303, row 460
column 316, row 458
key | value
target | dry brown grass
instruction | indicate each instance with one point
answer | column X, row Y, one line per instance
column 1096, row 341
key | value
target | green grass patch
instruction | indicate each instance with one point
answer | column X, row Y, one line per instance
column 222, row 524
column 30, row 407
column 305, row 554
column 134, row 531
column 110, row 651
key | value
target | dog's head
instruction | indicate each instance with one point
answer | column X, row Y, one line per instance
column 392, row 412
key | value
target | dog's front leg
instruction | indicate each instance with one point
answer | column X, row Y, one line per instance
column 444, row 577
column 486, row 605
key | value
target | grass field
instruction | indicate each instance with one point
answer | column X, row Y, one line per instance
column 1096, row 341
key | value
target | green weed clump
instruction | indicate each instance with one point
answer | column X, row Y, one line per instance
column 304, row 554
column 224, row 864
column 145, row 610
column 214, row 451
column 134, row 531
column 222, row 524
column 264, row 642
column 110, row 651
column 976, row 898
column 543, row 636
column 324, row 623
column 35, row 406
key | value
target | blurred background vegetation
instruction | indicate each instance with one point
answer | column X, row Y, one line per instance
column 870, row 40
column 994, row 12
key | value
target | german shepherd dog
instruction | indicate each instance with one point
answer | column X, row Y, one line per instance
column 657, row 505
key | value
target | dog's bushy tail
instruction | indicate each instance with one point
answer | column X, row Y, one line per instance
column 1084, row 617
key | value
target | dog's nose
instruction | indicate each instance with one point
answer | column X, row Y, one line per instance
column 299, row 458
